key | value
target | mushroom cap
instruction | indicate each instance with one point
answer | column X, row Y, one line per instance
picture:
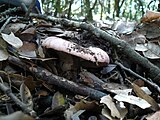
column 93, row 54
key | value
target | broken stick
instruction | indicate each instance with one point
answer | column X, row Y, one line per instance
column 58, row 81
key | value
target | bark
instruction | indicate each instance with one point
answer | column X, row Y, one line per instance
column 102, row 8
column 69, row 9
column 89, row 9
column 57, row 7
column 58, row 81
column 9, row 93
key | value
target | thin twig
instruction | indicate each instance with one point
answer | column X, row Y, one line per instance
column 5, row 24
column 9, row 93
column 60, row 82
column 137, row 75
column 10, row 10
column 30, row 8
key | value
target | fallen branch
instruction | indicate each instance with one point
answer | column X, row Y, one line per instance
column 122, row 46
column 9, row 93
column 10, row 10
column 58, row 81
column 30, row 8
column 5, row 24
column 155, row 86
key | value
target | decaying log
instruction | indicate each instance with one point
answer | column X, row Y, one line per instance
column 58, row 81
column 122, row 46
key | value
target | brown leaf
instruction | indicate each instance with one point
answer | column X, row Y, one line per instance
column 140, row 93
column 149, row 16
column 90, row 79
column 30, row 83
column 26, row 95
column 85, row 105
column 28, row 34
column 28, row 50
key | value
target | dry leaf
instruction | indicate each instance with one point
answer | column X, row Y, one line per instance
column 30, row 83
column 140, row 93
column 14, row 27
column 69, row 112
column 108, row 68
column 153, row 51
column 28, row 35
column 155, row 116
column 141, row 47
column 26, row 96
column 12, row 40
column 149, row 16
column 69, row 34
column 57, row 100
column 90, row 79
column 124, row 27
column 76, row 115
column 28, row 50
column 82, row 105
column 132, row 100
column 107, row 100
column 3, row 44
column 3, row 54
column 106, row 112
column 128, row 91
column 114, row 87
column 40, row 52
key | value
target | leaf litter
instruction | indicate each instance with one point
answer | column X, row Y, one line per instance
column 91, row 89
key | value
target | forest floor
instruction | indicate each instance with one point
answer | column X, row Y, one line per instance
column 55, row 68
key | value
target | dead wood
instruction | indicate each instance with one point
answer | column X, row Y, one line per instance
column 122, row 46
column 58, row 81
column 9, row 93
column 155, row 86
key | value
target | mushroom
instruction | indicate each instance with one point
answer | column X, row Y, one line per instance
column 93, row 54
column 68, row 53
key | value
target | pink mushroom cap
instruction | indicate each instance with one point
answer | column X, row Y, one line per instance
column 93, row 54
